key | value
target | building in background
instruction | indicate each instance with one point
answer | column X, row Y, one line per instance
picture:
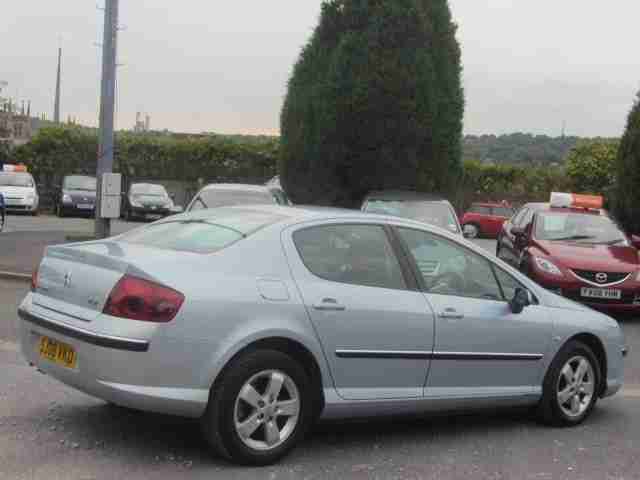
column 141, row 125
column 16, row 124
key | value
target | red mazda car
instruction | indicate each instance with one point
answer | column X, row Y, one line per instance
column 579, row 253
column 485, row 219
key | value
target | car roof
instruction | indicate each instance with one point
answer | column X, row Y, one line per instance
column 293, row 214
column 536, row 205
column 147, row 184
column 238, row 186
column 491, row 204
column 404, row 195
column 82, row 175
column 580, row 211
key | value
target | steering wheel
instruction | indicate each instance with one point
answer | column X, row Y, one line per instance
column 448, row 281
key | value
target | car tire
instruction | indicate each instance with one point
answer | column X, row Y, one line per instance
column 569, row 396
column 472, row 230
column 228, row 411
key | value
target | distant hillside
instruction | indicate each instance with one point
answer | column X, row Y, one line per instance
column 518, row 148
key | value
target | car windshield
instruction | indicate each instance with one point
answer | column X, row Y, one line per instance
column 16, row 180
column 80, row 183
column 577, row 227
column 147, row 190
column 433, row 213
column 225, row 198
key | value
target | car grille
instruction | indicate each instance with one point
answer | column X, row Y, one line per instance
column 592, row 276
column 428, row 268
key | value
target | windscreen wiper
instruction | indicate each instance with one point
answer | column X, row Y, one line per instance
column 573, row 237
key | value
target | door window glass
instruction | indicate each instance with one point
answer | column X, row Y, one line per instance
column 508, row 283
column 480, row 209
column 356, row 254
column 502, row 212
column 450, row 269
column 517, row 220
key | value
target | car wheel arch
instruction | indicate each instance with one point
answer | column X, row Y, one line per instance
column 596, row 346
column 292, row 348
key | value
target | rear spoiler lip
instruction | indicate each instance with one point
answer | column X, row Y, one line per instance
column 100, row 340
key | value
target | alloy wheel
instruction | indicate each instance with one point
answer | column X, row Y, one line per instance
column 576, row 386
column 267, row 410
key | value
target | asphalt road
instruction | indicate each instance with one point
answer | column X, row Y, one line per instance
column 50, row 432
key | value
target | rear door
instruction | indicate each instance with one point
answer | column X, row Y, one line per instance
column 375, row 327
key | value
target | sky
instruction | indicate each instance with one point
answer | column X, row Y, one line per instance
column 202, row 65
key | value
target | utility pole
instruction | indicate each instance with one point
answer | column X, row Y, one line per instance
column 107, row 106
column 56, row 107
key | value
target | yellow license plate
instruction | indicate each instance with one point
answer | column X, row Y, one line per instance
column 58, row 352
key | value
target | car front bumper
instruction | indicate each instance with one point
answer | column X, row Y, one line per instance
column 78, row 209
column 571, row 288
column 135, row 373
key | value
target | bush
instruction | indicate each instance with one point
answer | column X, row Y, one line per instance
column 591, row 166
column 627, row 201
column 374, row 101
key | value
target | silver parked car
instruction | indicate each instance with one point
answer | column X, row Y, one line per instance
column 260, row 320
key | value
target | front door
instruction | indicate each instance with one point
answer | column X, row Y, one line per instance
column 481, row 347
column 376, row 329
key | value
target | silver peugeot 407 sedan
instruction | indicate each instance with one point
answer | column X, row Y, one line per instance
column 260, row 320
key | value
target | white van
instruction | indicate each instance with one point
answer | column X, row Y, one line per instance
column 19, row 192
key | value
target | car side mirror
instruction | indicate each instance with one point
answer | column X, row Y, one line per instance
column 520, row 234
column 521, row 299
column 635, row 241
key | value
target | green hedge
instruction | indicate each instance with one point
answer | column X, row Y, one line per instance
column 56, row 151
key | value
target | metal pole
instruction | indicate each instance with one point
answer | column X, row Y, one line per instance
column 107, row 106
column 56, row 107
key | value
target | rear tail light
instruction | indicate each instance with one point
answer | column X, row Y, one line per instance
column 34, row 280
column 138, row 299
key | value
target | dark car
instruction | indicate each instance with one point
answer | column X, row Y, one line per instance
column 230, row 194
column 146, row 201
column 579, row 253
column 422, row 207
column 76, row 196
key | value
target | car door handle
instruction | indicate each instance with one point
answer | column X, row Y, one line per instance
column 329, row 305
column 451, row 314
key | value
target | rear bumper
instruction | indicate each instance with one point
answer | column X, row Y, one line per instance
column 107, row 341
column 153, row 376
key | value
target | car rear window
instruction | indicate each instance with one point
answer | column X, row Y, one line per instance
column 223, row 198
column 201, row 235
